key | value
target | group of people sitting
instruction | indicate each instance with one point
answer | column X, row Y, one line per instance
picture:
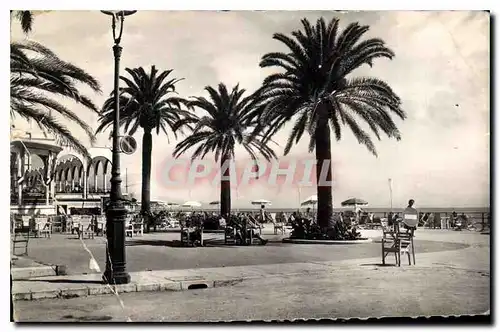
column 243, row 225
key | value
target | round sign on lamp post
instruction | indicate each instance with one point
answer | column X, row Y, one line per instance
column 128, row 144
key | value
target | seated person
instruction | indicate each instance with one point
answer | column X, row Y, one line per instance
column 222, row 221
column 410, row 217
column 462, row 221
column 193, row 228
column 243, row 226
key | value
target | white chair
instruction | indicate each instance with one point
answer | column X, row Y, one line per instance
column 86, row 227
column 279, row 223
column 73, row 224
column 43, row 226
column 129, row 226
column 398, row 241
column 138, row 225
column 100, row 224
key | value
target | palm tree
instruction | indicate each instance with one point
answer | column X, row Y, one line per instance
column 25, row 17
column 148, row 101
column 227, row 123
column 316, row 90
column 37, row 76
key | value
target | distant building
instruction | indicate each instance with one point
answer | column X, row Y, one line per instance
column 47, row 178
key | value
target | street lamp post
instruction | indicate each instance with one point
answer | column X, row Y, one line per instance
column 390, row 191
column 116, row 213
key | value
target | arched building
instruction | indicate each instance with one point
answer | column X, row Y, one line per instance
column 47, row 178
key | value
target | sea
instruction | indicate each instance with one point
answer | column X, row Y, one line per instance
column 472, row 212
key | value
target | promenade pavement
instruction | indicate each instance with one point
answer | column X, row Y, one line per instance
column 442, row 283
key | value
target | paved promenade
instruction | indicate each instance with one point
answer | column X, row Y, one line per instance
column 446, row 282
column 160, row 251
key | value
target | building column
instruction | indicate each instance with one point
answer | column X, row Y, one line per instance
column 104, row 182
column 85, row 182
column 20, row 173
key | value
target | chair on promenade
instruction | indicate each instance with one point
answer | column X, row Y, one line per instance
column 21, row 234
column 43, row 226
column 230, row 235
column 191, row 234
column 86, row 227
column 73, row 224
column 100, row 225
column 257, row 224
column 247, row 233
column 138, row 225
column 445, row 222
column 279, row 223
column 56, row 223
column 129, row 226
column 400, row 241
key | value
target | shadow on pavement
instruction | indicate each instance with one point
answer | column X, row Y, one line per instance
column 155, row 243
column 89, row 318
column 66, row 281
column 379, row 265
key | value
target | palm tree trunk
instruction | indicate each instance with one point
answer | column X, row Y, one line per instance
column 324, row 188
column 225, row 188
column 147, row 147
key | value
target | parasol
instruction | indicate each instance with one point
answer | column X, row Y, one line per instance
column 261, row 202
column 311, row 200
column 354, row 202
column 191, row 204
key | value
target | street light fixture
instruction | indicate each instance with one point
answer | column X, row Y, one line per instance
column 116, row 213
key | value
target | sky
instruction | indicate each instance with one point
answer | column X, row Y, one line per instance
column 440, row 71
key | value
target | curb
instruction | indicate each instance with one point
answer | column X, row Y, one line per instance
column 327, row 242
column 169, row 285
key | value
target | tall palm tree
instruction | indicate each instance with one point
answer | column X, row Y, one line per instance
column 37, row 76
column 316, row 90
column 148, row 101
column 227, row 123
column 25, row 17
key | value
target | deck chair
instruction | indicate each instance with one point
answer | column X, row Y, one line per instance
column 255, row 222
column 86, row 227
column 399, row 240
column 21, row 235
column 42, row 226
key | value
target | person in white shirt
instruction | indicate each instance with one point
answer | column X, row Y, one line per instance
column 410, row 216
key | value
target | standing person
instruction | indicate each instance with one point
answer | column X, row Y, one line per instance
column 454, row 218
column 262, row 213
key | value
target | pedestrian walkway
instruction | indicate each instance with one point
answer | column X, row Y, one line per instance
column 473, row 259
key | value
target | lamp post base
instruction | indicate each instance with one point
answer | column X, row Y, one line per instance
column 116, row 278
column 116, row 272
